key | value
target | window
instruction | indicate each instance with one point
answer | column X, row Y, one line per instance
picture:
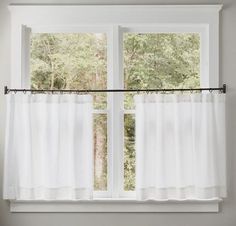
column 143, row 49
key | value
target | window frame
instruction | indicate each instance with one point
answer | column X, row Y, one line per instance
column 203, row 19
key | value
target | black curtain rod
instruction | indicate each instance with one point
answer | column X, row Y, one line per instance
column 7, row 90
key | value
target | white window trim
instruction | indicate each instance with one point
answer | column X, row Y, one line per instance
column 115, row 19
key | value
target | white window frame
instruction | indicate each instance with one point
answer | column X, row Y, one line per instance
column 114, row 20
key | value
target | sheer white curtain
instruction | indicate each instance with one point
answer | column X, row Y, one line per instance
column 49, row 147
column 180, row 146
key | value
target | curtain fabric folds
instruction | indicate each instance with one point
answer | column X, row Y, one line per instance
column 180, row 146
column 49, row 147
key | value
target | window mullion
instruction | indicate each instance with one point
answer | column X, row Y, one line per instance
column 115, row 115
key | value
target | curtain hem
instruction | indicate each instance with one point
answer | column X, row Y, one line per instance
column 181, row 193
column 41, row 193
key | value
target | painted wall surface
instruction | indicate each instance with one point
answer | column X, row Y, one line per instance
column 227, row 215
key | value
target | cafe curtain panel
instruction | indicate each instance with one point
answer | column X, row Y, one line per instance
column 49, row 147
column 180, row 146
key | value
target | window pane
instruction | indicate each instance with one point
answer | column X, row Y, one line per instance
column 75, row 61
column 69, row 61
column 159, row 60
column 129, row 153
column 100, row 152
column 155, row 61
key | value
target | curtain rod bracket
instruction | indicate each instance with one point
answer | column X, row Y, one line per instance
column 5, row 90
column 224, row 88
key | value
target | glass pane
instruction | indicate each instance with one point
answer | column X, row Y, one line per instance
column 75, row 61
column 100, row 152
column 159, row 60
column 155, row 60
column 129, row 152
column 69, row 61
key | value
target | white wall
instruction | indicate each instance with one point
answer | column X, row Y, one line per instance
column 227, row 216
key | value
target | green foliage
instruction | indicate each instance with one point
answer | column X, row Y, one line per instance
column 161, row 61
column 79, row 61
column 69, row 61
column 100, row 152
column 129, row 153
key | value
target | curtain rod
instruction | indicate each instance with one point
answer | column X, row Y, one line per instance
column 7, row 90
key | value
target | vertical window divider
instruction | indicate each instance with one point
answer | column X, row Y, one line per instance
column 115, row 115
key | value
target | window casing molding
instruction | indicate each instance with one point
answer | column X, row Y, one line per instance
column 114, row 20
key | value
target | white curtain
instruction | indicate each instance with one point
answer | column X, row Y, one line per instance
column 180, row 146
column 49, row 147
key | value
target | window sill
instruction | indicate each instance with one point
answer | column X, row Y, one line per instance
column 112, row 205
